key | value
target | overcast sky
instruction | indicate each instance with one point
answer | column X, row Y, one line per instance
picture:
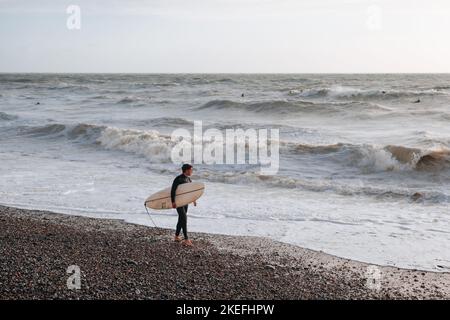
column 292, row 36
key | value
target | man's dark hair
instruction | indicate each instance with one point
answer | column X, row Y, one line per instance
column 185, row 167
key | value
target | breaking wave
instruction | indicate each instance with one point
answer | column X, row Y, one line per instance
column 154, row 146
column 157, row 147
column 151, row 144
column 372, row 158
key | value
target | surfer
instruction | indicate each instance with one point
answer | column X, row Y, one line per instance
column 182, row 211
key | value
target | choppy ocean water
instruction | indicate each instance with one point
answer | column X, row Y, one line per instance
column 364, row 159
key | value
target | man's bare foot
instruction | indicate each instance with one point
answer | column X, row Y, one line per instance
column 177, row 239
column 187, row 243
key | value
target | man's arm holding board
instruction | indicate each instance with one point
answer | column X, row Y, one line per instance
column 173, row 191
column 195, row 202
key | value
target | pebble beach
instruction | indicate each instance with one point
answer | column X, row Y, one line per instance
column 119, row 260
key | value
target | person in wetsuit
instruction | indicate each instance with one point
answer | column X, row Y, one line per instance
column 182, row 211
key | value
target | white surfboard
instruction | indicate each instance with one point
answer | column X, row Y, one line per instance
column 186, row 193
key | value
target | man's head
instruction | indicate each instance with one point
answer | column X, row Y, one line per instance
column 187, row 169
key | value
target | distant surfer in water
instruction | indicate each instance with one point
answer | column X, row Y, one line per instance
column 182, row 211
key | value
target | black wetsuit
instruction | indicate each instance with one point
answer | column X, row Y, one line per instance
column 182, row 211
